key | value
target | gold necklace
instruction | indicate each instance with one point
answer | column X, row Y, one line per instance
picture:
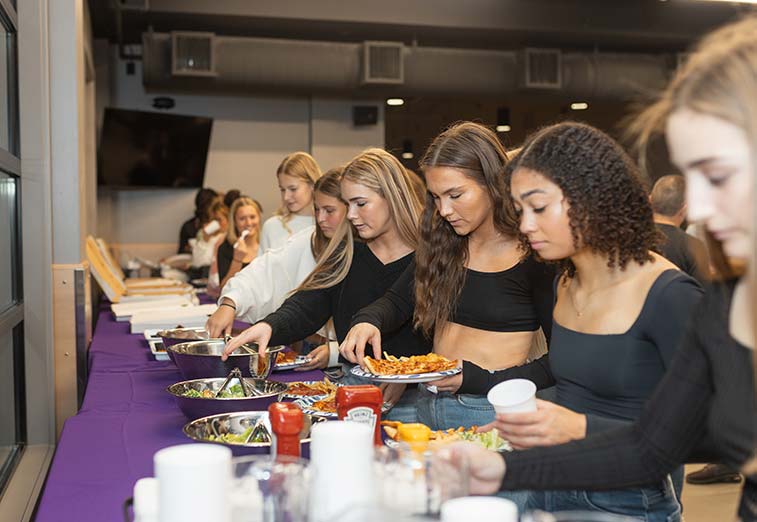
column 579, row 312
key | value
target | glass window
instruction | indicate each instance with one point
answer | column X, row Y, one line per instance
column 4, row 90
column 8, row 245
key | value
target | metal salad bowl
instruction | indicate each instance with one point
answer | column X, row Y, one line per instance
column 262, row 393
column 202, row 359
column 183, row 335
column 212, row 428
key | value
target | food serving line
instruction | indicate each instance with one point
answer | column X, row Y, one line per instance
column 126, row 416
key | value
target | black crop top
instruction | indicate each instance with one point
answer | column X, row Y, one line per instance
column 518, row 299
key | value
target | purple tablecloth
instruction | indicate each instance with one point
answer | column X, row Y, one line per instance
column 125, row 418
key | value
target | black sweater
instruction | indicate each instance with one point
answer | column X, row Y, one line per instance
column 305, row 312
column 703, row 410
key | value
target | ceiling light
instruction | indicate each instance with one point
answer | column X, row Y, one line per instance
column 503, row 128
column 407, row 155
column 579, row 106
column 407, row 149
column 503, row 119
column 395, row 102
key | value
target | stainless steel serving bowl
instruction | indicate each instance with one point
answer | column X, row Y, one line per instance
column 265, row 393
column 184, row 335
column 202, row 359
column 201, row 429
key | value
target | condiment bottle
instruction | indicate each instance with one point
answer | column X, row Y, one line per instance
column 361, row 404
column 416, row 435
column 287, row 422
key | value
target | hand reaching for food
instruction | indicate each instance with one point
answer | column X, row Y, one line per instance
column 259, row 334
column 353, row 347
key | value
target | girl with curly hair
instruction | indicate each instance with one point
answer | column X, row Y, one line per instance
column 474, row 289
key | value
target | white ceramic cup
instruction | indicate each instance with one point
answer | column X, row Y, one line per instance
column 479, row 508
column 515, row 395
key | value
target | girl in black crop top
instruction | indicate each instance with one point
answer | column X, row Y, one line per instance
column 473, row 288
column 704, row 408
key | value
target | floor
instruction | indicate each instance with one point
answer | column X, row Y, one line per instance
column 710, row 503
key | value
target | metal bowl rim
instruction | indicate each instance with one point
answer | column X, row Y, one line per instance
column 174, row 348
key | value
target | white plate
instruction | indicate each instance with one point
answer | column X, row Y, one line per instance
column 151, row 334
column 156, row 347
column 409, row 378
column 306, row 403
column 301, row 360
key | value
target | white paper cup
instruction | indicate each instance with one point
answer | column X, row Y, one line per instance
column 479, row 508
column 515, row 395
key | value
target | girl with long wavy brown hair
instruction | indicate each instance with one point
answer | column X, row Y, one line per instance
column 475, row 289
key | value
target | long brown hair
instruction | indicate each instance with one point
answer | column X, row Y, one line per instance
column 442, row 254
column 328, row 184
column 381, row 172
column 718, row 79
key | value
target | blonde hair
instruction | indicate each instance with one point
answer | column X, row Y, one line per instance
column 381, row 172
column 241, row 201
column 720, row 80
column 302, row 166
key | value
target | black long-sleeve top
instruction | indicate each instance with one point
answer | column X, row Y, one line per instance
column 514, row 300
column 303, row 313
column 608, row 377
column 704, row 409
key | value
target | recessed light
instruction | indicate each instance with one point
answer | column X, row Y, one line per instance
column 579, row 106
column 395, row 102
column 503, row 128
column 407, row 155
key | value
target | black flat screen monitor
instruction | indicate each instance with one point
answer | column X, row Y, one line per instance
column 152, row 150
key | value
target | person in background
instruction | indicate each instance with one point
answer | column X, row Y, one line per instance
column 213, row 229
column 296, row 176
column 190, row 227
column 240, row 246
column 384, row 210
column 260, row 288
column 230, row 197
column 668, row 199
column 705, row 405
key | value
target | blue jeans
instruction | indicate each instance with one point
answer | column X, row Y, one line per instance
column 651, row 503
column 444, row 410
column 402, row 411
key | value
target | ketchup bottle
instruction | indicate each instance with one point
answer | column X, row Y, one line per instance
column 286, row 423
column 361, row 404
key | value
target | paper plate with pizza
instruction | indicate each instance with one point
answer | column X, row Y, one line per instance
column 325, row 406
column 303, row 389
column 289, row 360
column 418, row 368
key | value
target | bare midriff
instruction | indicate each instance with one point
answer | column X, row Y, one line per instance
column 489, row 350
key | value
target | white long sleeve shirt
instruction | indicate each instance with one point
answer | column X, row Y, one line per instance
column 260, row 287
column 276, row 233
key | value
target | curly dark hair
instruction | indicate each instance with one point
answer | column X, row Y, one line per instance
column 609, row 205
column 442, row 254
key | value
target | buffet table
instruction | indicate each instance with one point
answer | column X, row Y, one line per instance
column 126, row 416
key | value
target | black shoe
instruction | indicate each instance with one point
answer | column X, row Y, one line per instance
column 713, row 473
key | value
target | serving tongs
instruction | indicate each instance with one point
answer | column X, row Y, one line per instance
column 247, row 390
column 259, row 433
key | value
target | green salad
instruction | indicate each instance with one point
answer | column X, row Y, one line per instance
column 238, row 438
column 231, row 392
column 490, row 440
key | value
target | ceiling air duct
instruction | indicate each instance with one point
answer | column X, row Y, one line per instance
column 383, row 63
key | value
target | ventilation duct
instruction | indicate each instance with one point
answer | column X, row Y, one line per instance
column 192, row 54
column 261, row 65
column 383, row 63
column 542, row 69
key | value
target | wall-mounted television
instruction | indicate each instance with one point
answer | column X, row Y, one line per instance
column 152, row 150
